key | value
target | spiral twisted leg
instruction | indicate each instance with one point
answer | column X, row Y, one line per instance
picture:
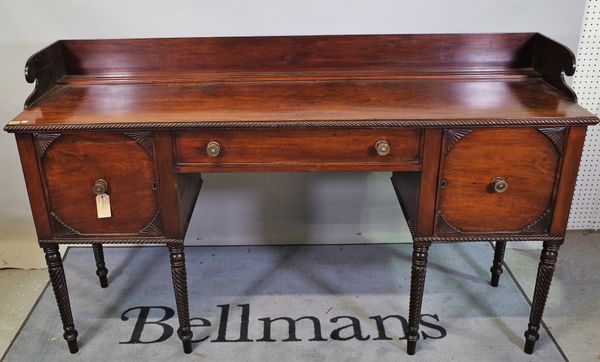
column 496, row 268
column 542, row 285
column 417, row 285
column 181, row 295
column 101, row 270
column 59, row 284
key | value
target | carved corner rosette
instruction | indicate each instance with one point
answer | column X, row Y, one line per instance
column 540, row 225
column 42, row 141
column 61, row 228
column 144, row 139
column 444, row 227
column 153, row 228
column 556, row 136
column 453, row 136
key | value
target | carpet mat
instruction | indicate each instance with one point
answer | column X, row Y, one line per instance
column 285, row 303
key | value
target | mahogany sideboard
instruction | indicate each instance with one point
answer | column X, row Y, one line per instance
column 480, row 132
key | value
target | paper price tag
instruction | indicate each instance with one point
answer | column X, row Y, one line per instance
column 103, row 206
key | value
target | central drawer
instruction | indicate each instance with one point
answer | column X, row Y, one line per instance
column 298, row 150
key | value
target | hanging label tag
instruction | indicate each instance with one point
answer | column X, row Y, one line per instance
column 103, row 206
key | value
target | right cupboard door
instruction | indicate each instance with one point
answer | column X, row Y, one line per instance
column 498, row 181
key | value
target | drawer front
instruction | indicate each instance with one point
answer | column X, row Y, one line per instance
column 498, row 180
column 71, row 166
column 299, row 149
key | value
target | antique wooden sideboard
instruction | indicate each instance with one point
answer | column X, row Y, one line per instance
column 480, row 132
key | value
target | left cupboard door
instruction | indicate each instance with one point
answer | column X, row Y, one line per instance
column 78, row 167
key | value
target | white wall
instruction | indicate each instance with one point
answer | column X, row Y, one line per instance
column 585, row 209
column 249, row 208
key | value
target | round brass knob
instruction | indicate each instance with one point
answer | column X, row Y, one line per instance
column 213, row 149
column 382, row 148
column 499, row 185
column 100, row 187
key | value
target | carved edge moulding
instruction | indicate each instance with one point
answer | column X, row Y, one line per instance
column 145, row 240
column 159, row 125
column 477, row 238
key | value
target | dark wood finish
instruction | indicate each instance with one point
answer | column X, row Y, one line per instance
column 568, row 177
column 417, row 191
column 542, row 286
column 450, row 80
column 72, row 164
column 298, row 150
column 297, row 53
column 496, row 268
column 563, row 61
column 417, row 287
column 526, row 158
column 35, row 188
column 101, row 270
column 434, row 101
column 188, row 188
column 168, row 186
column 428, row 184
column 59, row 285
column 457, row 110
column 407, row 187
column 179, row 275
column 46, row 68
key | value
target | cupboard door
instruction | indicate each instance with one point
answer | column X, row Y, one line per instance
column 498, row 180
column 76, row 167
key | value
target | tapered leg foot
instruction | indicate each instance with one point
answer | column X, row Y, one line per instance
column 101, row 270
column 187, row 347
column 529, row 344
column 417, row 285
column 496, row 268
column 59, row 285
column 179, row 275
column 411, row 348
column 73, row 346
column 542, row 286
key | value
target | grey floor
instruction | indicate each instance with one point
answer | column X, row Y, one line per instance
column 572, row 314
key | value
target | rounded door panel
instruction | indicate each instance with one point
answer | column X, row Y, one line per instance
column 496, row 181
column 72, row 165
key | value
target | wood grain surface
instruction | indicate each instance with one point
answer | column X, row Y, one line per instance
column 74, row 162
column 528, row 161
column 298, row 149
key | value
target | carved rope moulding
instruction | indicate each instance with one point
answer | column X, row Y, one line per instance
column 160, row 125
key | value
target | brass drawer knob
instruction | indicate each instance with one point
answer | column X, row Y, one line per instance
column 499, row 185
column 382, row 148
column 100, row 187
column 213, row 149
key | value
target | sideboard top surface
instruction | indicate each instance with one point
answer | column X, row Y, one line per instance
column 370, row 80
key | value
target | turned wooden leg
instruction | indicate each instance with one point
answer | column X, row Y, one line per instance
column 417, row 285
column 181, row 295
column 101, row 270
column 59, row 284
column 540, row 294
column 496, row 268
